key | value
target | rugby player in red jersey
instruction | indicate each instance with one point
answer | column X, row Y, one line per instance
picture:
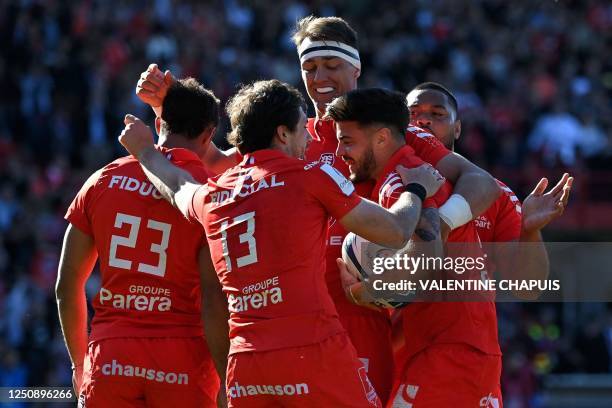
column 146, row 346
column 266, row 223
column 446, row 342
column 434, row 108
column 330, row 66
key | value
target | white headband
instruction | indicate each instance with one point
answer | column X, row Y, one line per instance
column 310, row 49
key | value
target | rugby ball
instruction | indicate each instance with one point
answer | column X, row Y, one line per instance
column 359, row 255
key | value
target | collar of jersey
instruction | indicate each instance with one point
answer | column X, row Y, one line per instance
column 179, row 153
column 262, row 155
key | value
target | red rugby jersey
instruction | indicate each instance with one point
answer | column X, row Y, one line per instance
column 427, row 323
column 147, row 252
column 323, row 148
column 502, row 221
column 266, row 223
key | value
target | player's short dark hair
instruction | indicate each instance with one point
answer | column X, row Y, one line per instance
column 189, row 108
column 324, row 29
column 435, row 86
column 371, row 106
column 258, row 109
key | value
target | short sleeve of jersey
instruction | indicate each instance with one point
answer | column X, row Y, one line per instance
column 199, row 174
column 426, row 145
column 77, row 211
column 509, row 218
column 196, row 205
column 335, row 192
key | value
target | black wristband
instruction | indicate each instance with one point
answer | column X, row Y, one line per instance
column 416, row 189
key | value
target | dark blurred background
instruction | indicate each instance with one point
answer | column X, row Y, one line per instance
column 533, row 79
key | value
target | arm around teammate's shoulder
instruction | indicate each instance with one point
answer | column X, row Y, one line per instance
column 394, row 227
column 474, row 190
column 176, row 185
column 217, row 160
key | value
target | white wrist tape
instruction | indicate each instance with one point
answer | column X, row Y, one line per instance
column 455, row 211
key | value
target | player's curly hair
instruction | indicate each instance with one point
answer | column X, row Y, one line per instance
column 324, row 29
column 189, row 109
column 258, row 109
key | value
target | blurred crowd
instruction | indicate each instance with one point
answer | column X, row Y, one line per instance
column 532, row 79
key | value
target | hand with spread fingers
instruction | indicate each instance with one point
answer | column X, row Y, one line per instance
column 540, row 208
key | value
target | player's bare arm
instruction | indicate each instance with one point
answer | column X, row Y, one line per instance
column 393, row 228
column 427, row 231
column 474, row 191
column 215, row 317
column 217, row 160
column 152, row 88
column 174, row 184
column 76, row 263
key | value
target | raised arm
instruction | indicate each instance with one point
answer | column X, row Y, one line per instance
column 76, row 263
column 175, row 184
column 152, row 88
column 474, row 190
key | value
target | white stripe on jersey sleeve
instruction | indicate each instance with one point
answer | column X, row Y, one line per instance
column 345, row 184
column 390, row 187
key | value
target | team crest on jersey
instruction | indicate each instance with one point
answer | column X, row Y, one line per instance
column 327, row 158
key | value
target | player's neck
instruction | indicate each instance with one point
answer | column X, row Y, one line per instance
column 179, row 142
column 319, row 114
column 384, row 157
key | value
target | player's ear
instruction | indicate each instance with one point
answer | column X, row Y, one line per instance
column 205, row 138
column 282, row 134
column 208, row 133
column 158, row 121
column 357, row 73
column 457, row 129
column 382, row 136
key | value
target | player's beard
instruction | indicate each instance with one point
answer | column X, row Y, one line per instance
column 363, row 170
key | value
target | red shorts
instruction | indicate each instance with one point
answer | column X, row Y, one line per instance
column 371, row 337
column 151, row 372
column 449, row 375
column 327, row 374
